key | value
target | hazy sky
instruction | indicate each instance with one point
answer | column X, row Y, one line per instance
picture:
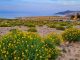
column 15, row 8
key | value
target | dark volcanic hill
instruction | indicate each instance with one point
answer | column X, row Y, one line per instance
column 68, row 12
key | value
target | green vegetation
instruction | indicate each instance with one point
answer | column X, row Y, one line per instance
column 64, row 23
column 71, row 34
column 32, row 29
column 53, row 39
column 29, row 25
column 69, row 26
column 33, row 23
column 51, row 25
column 60, row 28
column 18, row 45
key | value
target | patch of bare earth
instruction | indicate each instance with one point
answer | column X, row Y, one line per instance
column 70, row 51
column 44, row 30
column 4, row 30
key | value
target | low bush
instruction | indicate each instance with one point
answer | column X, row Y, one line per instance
column 54, row 39
column 18, row 45
column 5, row 25
column 32, row 29
column 63, row 23
column 51, row 25
column 40, row 25
column 29, row 25
column 69, row 26
column 71, row 34
column 60, row 28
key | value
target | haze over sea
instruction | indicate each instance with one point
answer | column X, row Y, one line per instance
column 22, row 8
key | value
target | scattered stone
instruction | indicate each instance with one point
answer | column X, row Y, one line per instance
column 77, row 55
column 71, row 59
column 76, row 59
column 69, row 50
column 64, row 50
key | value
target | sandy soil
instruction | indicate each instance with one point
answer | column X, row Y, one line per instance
column 4, row 30
column 44, row 30
column 70, row 51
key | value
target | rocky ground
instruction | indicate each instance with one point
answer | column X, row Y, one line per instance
column 70, row 51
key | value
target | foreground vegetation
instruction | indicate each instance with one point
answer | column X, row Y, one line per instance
column 18, row 45
column 29, row 45
column 32, row 23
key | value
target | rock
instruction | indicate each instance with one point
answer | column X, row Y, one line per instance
column 76, row 59
column 64, row 50
column 69, row 50
column 71, row 59
column 77, row 55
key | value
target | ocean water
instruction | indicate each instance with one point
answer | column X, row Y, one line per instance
column 14, row 14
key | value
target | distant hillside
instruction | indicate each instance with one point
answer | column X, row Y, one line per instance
column 68, row 12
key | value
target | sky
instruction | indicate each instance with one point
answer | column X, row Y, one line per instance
column 22, row 8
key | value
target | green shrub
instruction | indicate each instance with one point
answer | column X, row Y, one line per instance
column 60, row 28
column 69, row 26
column 30, row 25
column 40, row 24
column 71, row 34
column 53, row 39
column 63, row 23
column 18, row 45
column 5, row 25
column 32, row 29
column 51, row 25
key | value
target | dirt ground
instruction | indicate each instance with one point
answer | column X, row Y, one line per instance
column 44, row 30
column 70, row 51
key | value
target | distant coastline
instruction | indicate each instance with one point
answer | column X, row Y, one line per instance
column 13, row 17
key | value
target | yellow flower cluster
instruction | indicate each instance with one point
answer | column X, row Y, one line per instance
column 19, row 45
column 54, row 38
column 71, row 34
